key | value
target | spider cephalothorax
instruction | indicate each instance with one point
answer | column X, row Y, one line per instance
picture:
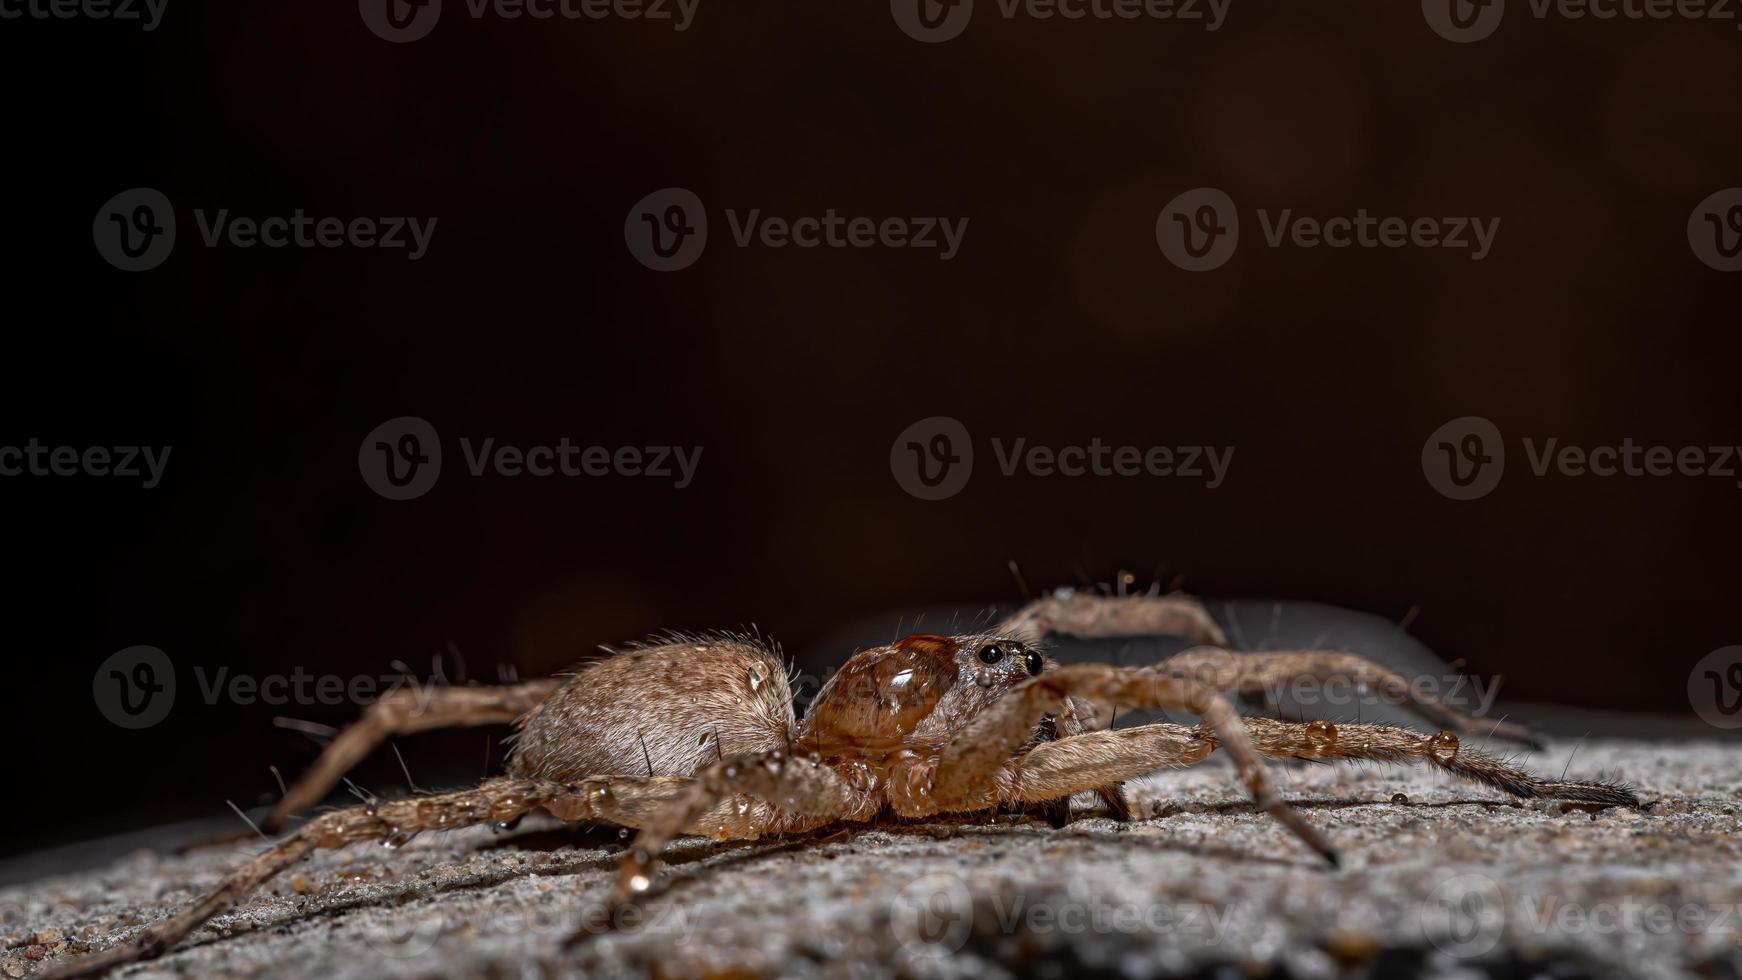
column 697, row 735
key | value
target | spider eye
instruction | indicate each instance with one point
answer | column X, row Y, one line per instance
column 991, row 654
column 1033, row 661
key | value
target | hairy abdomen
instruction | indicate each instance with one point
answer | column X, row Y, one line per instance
column 660, row 708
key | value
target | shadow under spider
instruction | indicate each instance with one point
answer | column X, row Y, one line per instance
column 1119, row 838
column 1166, row 810
column 725, row 854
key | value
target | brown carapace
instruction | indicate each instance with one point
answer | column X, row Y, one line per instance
column 698, row 735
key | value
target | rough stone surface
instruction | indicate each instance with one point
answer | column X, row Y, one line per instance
column 1458, row 881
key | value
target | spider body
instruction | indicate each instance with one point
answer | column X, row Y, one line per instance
column 697, row 735
column 880, row 723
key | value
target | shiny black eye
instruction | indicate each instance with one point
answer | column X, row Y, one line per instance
column 1033, row 661
column 991, row 654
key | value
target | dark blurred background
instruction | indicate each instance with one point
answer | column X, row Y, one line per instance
column 264, row 551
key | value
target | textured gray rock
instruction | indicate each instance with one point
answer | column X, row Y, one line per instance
column 1458, row 881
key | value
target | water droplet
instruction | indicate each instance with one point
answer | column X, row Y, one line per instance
column 1443, row 748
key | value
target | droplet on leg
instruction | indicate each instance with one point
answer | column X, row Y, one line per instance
column 1443, row 748
column 1321, row 734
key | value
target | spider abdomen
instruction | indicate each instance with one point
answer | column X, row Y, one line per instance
column 664, row 710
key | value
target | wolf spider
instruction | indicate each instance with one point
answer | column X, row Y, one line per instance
column 697, row 735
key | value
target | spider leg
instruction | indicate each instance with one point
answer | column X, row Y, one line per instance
column 968, row 764
column 1075, row 764
column 613, row 798
column 1270, row 671
column 790, row 795
column 403, row 712
column 1087, row 615
column 1079, row 717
